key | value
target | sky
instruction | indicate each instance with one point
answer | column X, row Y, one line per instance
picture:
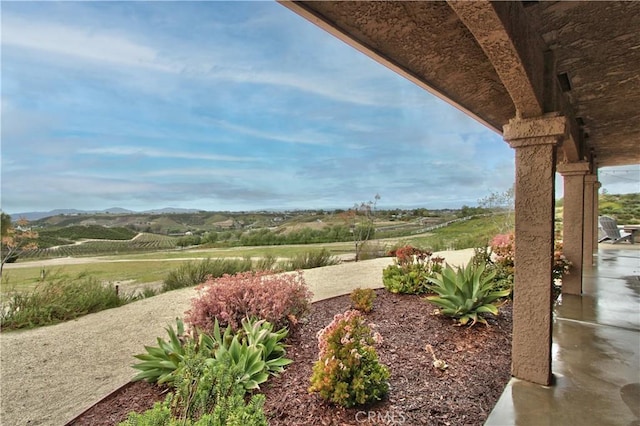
column 224, row 106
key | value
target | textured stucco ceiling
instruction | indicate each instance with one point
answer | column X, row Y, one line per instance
column 597, row 45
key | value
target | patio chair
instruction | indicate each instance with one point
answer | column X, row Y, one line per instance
column 612, row 232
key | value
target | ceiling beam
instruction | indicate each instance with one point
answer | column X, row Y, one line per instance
column 517, row 54
column 522, row 61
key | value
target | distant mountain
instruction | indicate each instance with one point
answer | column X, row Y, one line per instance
column 40, row 215
column 113, row 210
column 170, row 210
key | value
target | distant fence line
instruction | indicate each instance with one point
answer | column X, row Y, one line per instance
column 452, row 221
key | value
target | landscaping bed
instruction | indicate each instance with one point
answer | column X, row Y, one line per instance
column 464, row 393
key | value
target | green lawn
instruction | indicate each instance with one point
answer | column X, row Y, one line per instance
column 139, row 271
column 476, row 232
column 148, row 267
column 277, row 251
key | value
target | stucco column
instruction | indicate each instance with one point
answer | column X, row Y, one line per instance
column 534, row 141
column 590, row 220
column 573, row 223
column 596, row 212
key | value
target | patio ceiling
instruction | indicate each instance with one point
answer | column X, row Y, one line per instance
column 493, row 60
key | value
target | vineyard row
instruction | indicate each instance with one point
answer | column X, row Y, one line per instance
column 93, row 248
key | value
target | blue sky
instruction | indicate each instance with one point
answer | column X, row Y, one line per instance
column 224, row 106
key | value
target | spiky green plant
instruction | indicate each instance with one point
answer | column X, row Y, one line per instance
column 259, row 333
column 248, row 359
column 159, row 363
column 256, row 349
column 463, row 293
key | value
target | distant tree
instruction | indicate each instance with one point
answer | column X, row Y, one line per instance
column 501, row 202
column 210, row 237
column 15, row 240
column 6, row 224
column 360, row 221
column 188, row 240
column 466, row 211
column 421, row 212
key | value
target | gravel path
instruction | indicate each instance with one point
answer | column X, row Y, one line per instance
column 50, row 374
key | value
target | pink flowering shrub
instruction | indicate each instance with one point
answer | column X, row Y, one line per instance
column 347, row 372
column 561, row 264
column 407, row 256
column 411, row 270
column 503, row 247
column 281, row 299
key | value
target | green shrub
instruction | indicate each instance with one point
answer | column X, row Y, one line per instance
column 214, row 391
column 411, row 269
column 147, row 292
column 58, row 299
column 372, row 250
column 502, row 272
column 207, row 393
column 466, row 292
column 281, row 299
column 362, row 299
column 192, row 273
column 347, row 372
column 310, row 259
column 266, row 263
column 159, row 415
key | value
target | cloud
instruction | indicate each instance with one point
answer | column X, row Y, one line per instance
column 620, row 180
column 157, row 153
column 79, row 43
column 220, row 105
column 306, row 137
column 236, row 62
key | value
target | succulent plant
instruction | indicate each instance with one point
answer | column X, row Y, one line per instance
column 464, row 293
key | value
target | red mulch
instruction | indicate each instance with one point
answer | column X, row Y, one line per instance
column 479, row 361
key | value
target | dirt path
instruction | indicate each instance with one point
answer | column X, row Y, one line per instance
column 51, row 374
column 61, row 261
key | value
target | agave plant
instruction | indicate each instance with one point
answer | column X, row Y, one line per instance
column 464, row 293
column 159, row 363
column 248, row 359
column 259, row 333
column 256, row 348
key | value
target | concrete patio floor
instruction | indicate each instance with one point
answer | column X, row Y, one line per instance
column 596, row 353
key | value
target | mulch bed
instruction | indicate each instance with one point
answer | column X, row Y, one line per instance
column 479, row 361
